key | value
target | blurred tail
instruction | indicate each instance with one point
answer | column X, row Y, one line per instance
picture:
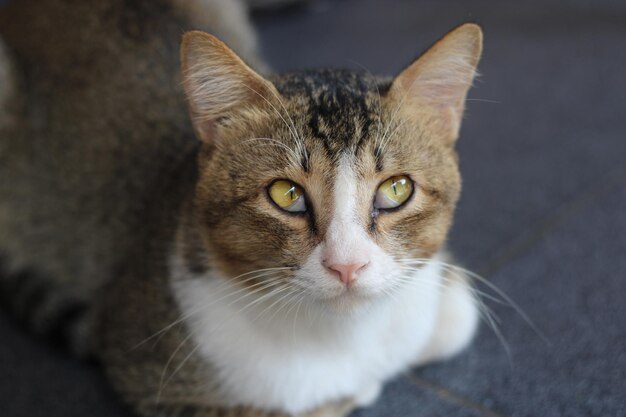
column 45, row 308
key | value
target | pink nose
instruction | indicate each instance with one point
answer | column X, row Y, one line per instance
column 346, row 272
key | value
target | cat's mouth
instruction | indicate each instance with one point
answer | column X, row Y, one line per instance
column 349, row 300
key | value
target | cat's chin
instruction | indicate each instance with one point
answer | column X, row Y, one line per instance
column 350, row 302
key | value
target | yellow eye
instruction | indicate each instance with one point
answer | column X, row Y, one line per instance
column 394, row 192
column 288, row 195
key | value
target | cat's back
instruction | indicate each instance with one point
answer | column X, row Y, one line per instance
column 95, row 147
column 116, row 58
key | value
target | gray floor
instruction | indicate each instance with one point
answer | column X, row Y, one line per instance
column 543, row 214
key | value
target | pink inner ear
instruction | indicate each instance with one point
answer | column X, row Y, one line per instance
column 437, row 85
column 205, row 130
column 217, row 82
column 440, row 78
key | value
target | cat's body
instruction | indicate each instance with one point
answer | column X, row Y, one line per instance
column 196, row 290
column 99, row 128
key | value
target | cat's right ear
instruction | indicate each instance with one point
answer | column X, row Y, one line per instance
column 434, row 87
column 217, row 83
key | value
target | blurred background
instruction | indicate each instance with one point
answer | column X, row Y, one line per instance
column 542, row 217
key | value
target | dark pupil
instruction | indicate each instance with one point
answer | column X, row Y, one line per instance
column 291, row 192
column 393, row 186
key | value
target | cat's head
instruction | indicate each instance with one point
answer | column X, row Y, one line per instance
column 334, row 178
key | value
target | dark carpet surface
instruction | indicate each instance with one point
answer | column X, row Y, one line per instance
column 542, row 217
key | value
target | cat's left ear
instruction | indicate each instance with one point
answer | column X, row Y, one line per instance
column 433, row 88
column 218, row 84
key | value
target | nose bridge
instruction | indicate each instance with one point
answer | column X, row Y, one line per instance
column 346, row 241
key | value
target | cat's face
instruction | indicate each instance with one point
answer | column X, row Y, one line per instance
column 336, row 178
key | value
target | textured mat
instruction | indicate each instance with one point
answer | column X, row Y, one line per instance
column 543, row 213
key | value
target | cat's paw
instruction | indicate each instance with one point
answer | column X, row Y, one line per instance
column 368, row 395
column 336, row 409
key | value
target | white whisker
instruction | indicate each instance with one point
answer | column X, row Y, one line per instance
column 221, row 288
column 503, row 296
column 292, row 127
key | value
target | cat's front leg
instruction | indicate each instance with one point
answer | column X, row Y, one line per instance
column 368, row 395
column 335, row 409
column 457, row 319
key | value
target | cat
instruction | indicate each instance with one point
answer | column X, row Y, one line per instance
column 226, row 242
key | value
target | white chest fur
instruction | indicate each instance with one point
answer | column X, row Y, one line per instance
column 296, row 360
